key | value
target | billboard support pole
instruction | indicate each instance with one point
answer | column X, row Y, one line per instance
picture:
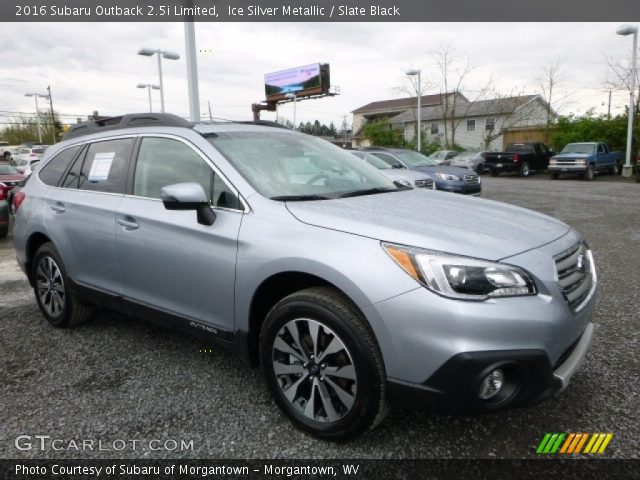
column 192, row 70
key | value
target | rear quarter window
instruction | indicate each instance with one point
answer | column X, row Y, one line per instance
column 105, row 166
column 53, row 170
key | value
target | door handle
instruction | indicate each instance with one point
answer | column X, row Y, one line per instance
column 58, row 207
column 128, row 223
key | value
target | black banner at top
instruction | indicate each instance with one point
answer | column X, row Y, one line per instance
column 318, row 10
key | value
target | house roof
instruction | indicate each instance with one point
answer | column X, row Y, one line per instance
column 398, row 104
column 494, row 106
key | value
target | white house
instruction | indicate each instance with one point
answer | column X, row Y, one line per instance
column 477, row 125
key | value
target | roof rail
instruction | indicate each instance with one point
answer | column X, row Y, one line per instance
column 126, row 121
column 266, row 123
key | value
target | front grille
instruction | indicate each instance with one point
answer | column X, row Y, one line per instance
column 472, row 179
column 426, row 183
column 575, row 276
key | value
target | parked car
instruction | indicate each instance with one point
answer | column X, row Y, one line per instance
column 522, row 158
column 586, row 159
column 397, row 172
column 471, row 160
column 9, row 180
column 6, row 150
column 26, row 155
column 340, row 284
column 26, row 167
column 443, row 157
column 447, row 178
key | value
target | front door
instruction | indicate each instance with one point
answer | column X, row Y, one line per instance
column 168, row 261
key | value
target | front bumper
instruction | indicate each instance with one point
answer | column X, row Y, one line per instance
column 529, row 379
column 459, row 187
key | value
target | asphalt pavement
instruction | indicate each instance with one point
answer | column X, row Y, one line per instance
column 117, row 387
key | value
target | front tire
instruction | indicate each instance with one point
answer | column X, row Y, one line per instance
column 51, row 287
column 495, row 173
column 589, row 174
column 322, row 364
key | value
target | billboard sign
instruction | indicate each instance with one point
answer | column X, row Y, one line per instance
column 305, row 80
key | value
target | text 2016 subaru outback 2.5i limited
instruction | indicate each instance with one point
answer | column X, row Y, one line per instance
column 351, row 292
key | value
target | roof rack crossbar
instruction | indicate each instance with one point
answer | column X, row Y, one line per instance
column 126, row 121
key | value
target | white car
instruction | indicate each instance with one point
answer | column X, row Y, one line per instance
column 471, row 160
column 26, row 155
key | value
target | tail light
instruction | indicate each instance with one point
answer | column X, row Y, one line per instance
column 516, row 158
column 3, row 191
column 18, row 198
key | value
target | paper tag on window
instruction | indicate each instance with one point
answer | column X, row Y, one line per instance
column 101, row 166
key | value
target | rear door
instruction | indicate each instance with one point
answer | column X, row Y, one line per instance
column 168, row 260
column 80, row 212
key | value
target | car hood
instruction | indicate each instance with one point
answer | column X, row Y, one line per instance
column 572, row 155
column 459, row 171
column 440, row 221
column 404, row 173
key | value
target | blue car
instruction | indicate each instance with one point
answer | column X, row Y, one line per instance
column 447, row 178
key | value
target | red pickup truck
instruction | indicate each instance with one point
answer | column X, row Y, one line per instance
column 523, row 158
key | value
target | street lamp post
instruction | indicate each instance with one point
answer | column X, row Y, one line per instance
column 36, row 95
column 149, row 52
column 417, row 73
column 295, row 104
column 630, row 30
column 148, row 86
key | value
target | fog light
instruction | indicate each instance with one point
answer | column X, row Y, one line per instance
column 491, row 384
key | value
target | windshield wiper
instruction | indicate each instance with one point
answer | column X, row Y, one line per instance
column 299, row 198
column 371, row 191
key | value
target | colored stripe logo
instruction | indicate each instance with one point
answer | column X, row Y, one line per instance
column 573, row 443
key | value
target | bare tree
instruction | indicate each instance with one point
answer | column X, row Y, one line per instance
column 550, row 82
column 510, row 110
column 453, row 71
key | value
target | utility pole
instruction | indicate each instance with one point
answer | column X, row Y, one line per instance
column 344, row 131
column 609, row 108
column 210, row 116
column 53, row 120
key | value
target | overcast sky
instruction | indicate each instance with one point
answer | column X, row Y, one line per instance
column 94, row 66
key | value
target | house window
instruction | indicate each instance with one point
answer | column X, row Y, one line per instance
column 434, row 128
column 490, row 124
column 471, row 125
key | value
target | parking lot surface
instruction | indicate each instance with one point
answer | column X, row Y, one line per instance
column 117, row 381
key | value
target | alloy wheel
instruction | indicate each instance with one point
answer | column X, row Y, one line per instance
column 50, row 286
column 314, row 370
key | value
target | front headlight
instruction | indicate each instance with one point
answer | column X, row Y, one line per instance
column 448, row 177
column 463, row 278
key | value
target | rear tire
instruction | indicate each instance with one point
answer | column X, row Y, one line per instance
column 51, row 287
column 524, row 170
column 4, row 231
column 322, row 364
column 616, row 169
column 495, row 173
column 480, row 168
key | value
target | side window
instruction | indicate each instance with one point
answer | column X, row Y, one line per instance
column 105, row 166
column 471, row 125
column 164, row 161
column 55, row 167
column 600, row 148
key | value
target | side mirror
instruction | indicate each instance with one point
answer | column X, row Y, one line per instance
column 188, row 196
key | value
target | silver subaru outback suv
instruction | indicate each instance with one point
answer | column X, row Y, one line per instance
column 351, row 292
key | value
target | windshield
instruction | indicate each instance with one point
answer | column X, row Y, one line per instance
column 415, row 159
column 375, row 161
column 288, row 166
column 8, row 170
column 579, row 148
